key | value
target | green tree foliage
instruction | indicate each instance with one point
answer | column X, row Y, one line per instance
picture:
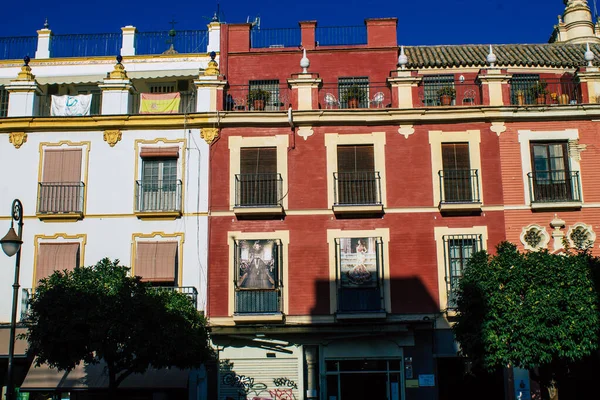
column 99, row 313
column 532, row 309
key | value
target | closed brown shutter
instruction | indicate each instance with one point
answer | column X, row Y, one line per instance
column 455, row 156
column 355, row 158
column 62, row 166
column 160, row 152
column 56, row 257
column 156, row 261
column 258, row 160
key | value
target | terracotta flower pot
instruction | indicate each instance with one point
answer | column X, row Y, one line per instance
column 446, row 100
column 259, row 105
column 541, row 99
column 353, row 103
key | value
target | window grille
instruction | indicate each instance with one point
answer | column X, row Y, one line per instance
column 162, row 87
column 458, row 249
column 258, row 183
column 432, row 85
column 348, row 87
column 521, row 88
column 272, row 96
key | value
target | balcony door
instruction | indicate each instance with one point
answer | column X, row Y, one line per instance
column 258, row 178
column 456, row 166
column 551, row 177
column 356, row 177
column 159, row 184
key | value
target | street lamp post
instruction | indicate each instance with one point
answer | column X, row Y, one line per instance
column 11, row 245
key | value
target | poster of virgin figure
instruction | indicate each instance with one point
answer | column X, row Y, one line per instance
column 257, row 264
column 358, row 262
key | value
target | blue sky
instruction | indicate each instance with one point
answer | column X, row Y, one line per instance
column 420, row 21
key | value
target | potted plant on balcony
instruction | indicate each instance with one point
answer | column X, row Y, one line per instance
column 539, row 90
column 354, row 95
column 446, row 94
column 520, row 97
column 257, row 98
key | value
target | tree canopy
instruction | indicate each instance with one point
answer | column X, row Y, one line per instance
column 100, row 313
column 528, row 309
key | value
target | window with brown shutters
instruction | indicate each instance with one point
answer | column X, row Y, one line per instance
column 61, row 189
column 259, row 183
column 157, row 262
column 356, row 178
column 56, row 257
column 458, row 178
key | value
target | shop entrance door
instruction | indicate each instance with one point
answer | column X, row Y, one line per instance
column 363, row 379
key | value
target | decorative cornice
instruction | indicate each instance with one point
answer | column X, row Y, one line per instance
column 17, row 139
column 112, row 137
column 209, row 134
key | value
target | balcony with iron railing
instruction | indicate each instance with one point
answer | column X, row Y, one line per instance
column 554, row 189
column 190, row 291
column 535, row 91
column 44, row 106
column 448, row 93
column 252, row 98
column 459, row 190
column 360, row 300
column 357, row 192
column 60, row 200
column 187, row 104
column 158, row 198
column 258, row 194
column 355, row 96
column 256, row 302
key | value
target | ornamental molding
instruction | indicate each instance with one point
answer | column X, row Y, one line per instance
column 209, row 134
column 498, row 128
column 17, row 139
column 112, row 137
column 305, row 132
column 534, row 237
column 406, row 130
column 585, row 229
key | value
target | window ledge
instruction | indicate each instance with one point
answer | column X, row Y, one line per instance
column 460, row 207
column 275, row 210
column 358, row 209
column 573, row 205
column 157, row 214
column 249, row 318
column 60, row 217
column 361, row 315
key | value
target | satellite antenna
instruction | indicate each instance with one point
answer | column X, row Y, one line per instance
column 255, row 23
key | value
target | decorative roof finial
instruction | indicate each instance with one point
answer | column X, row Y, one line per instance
column 118, row 72
column 213, row 68
column 119, row 59
column 25, row 73
column 46, row 24
column 589, row 56
column 304, row 62
column 26, row 60
column 402, row 58
column 491, row 58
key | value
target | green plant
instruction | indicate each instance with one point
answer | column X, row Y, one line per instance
column 539, row 88
column 258, row 94
column 447, row 91
column 355, row 92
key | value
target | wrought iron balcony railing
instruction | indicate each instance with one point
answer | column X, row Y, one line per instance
column 60, row 197
column 258, row 190
column 554, row 187
column 262, row 96
column 257, row 301
column 190, row 291
column 187, row 103
column 532, row 90
column 441, row 92
column 358, row 300
column 355, row 95
column 357, row 188
column 459, row 186
column 162, row 195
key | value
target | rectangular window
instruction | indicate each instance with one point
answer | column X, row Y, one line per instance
column 353, row 92
column 162, row 87
column 359, row 274
column 521, row 88
column 258, row 184
column 159, row 189
column 264, row 95
column 434, row 86
column 550, row 177
column 257, row 265
column 357, row 182
column 457, row 251
column 3, row 102
column 61, row 189
column 157, row 262
column 459, row 181
column 56, row 257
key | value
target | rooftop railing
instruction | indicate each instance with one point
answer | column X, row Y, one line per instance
column 15, row 48
column 340, row 35
column 193, row 41
column 86, row 45
column 275, row 38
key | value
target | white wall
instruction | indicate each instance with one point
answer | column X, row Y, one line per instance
column 109, row 222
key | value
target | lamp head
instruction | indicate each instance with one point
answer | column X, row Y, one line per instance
column 11, row 243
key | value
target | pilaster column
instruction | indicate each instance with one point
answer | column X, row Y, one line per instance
column 404, row 84
column 589, row 79
column 116, row 91
column 214, row 37
column 312, row 371
column 23, row 93
column 209, row 87
column 128, row 44
column 305, row 90
column 494, row 85
column 43, row 44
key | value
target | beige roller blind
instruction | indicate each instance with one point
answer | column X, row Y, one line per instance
column 160, row 152
column 56, row 257
column 62, row 165
column 156, row 261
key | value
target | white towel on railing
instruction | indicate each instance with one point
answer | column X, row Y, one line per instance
column 71, row 106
